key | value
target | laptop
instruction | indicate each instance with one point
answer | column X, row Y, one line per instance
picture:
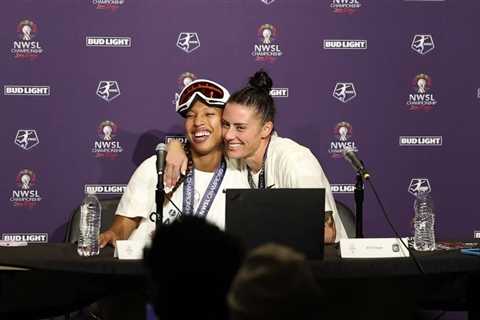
column 292, row 217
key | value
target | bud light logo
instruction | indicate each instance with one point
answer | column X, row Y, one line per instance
column 342, row 188
column 279, row 92
column 333, row 44
column 421, row 141
column 179, row 137
column 24, row 90
column 26, row 237
column 108, row 42
column 105, row 188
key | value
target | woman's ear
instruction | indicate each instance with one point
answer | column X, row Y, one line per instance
column 267, row 129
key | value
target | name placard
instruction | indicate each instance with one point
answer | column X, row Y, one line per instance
column 128, row 250
column 373, row 248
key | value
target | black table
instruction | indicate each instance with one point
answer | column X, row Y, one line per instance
column 43, row 280
column 395, row 287
column 58, row 280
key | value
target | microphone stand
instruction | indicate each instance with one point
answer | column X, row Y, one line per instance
column 159, row 198
column 358, row 193
column 161, row 151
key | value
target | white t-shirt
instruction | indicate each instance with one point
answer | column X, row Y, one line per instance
column 291, row 165
column 138, row 199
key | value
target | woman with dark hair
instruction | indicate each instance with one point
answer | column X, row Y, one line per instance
column 271, row 161
column 248, row 134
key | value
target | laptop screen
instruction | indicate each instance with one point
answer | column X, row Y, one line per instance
column 292, row 217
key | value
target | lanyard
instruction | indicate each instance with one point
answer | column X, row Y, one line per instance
column 261, row 178
column 209, row 195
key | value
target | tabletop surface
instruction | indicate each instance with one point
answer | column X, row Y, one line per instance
column 63, row 256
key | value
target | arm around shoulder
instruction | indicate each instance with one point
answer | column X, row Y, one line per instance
column 176, row 163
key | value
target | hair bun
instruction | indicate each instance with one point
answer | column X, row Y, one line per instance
column 262, row 81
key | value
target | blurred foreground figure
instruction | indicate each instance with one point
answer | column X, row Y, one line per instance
column 191, row 265
column 275, row 282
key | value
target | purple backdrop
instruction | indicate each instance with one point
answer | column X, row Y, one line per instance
column 48, row 135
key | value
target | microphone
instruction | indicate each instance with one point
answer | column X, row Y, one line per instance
column 357, row 165
column 157, row 217
column 161, row 150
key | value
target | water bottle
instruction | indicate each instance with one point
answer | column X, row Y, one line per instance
column 90, row 220
column 424, row 237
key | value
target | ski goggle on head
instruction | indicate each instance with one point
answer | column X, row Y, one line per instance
column 210, row 92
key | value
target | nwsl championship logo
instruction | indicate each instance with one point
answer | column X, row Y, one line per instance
column 107, row 146
column 343, row 134
column 345, row 6
column 183, row 80
column 268, row 50
column 26, row 194
column 109, row 5
column 27, row 47
column 422, row 99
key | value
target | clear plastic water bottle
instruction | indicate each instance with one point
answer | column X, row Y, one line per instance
column 424, row 223
column 90, row 220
